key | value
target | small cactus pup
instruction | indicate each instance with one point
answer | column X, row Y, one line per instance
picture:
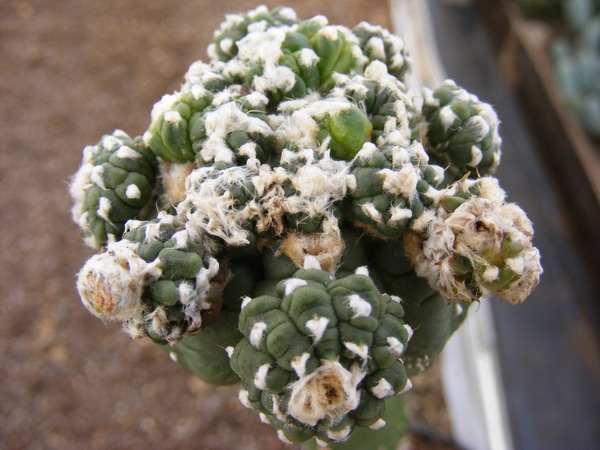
column 322, row 355
column 460, row 132
column 113, row 184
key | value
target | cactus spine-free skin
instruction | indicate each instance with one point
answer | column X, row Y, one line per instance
column 303, row 239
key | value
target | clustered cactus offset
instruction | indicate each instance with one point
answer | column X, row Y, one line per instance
column 296, row 219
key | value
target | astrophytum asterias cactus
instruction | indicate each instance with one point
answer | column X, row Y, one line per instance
column 306, row 215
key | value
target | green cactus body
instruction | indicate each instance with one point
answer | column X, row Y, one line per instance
column 320, row 357
column 306, row 222
column 177, row 126
column 461, row 132
column 114, row 184
column 238, row 26
column 204, row 130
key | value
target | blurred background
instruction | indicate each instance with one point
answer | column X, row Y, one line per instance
column 73, row 70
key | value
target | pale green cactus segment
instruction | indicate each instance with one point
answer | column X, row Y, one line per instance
column 318, row 334
column 577, row 69
column 387, row 105
column 177, row 127
column 204, row 355
column 349, row 130
column 460, row 131
column 114, row 184
column 471, row 244
column 338, row 52
column 183, row 285
column 378, row 44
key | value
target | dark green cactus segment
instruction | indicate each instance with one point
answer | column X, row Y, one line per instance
column 541, row 8
column 383, row 105
column 426, row 311
column 184, row 292
column 114, row 185
column 244, row 134
column 205, row 355
column 316, row 328
column 177, row 132
column 462, row 132
column 237, row 27
column 434, row 321
column 379, row 44
column 376, row 205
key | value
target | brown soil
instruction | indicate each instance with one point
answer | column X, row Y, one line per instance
column 70, row 71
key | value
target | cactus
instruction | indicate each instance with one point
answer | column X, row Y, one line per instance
column 305, row 224
column 460, row 132
column 320, row 357
column 113, row 185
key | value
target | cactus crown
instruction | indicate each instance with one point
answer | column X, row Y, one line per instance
column 301, row 200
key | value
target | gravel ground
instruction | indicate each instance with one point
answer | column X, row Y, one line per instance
column 71, row 71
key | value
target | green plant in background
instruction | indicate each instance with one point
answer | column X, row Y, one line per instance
column 296, row 220
column 576, row 58
column 577, row 65
column 541, row 8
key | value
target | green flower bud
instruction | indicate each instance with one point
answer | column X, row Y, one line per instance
column 461, row 132
column 114, row 184
column 320, row 356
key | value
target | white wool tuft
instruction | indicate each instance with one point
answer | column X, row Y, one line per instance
column 359, row 306
column 377, row 425
column 363, row 270
column 260, row 378
column 133, row 192
column 382, row 389
column 362, row 350
column 289, row 286
column 299, row 364
column 317, row 326
column 257, row 333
